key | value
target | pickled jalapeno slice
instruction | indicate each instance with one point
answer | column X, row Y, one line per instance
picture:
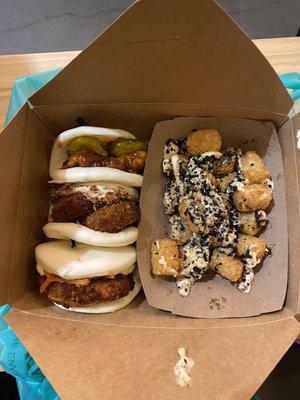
column 88, row 143
column 123, row 146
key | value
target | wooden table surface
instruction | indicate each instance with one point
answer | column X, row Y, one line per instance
column 282, row 53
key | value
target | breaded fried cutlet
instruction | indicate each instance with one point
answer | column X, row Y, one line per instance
column 114, row 217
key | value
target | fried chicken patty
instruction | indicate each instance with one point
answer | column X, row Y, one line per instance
column 98, row 195
column 71, row 208
column 114, row 217
column 132, row 162
column 98, row 290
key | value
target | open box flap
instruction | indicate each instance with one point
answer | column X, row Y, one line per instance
column 239, row 369
column 170, row 51
column 12, row 142
column 287, row 136
column 139, row 118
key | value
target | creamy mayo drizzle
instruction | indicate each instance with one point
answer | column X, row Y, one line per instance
column 171, row 197
column 250, row 262
column 179, row 164
column 182, row 369
column 270, row 184
column 195, row 261
column 247, row 280
column 171, row 148
column 177, row 227
column 261, row 218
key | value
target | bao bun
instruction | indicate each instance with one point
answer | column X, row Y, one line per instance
column 59, row 258
column 89, row 174
column 83, row 234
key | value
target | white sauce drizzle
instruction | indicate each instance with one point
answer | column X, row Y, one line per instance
column 177, row 228
column 171, row 197
column 262, row 217
column 179, row 164
column 247, row 279
column 183, row 368
column 171, row 148
column 195, row 262
column 167, row 167
column 270, row 184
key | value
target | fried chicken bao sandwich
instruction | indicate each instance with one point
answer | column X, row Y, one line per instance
column 86, row 278
column 99, row 214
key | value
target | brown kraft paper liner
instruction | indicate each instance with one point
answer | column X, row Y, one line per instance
column 216, row 297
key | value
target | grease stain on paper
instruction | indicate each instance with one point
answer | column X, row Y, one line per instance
column 216, row 303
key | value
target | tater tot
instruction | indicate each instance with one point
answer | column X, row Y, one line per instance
column 227, row 266
column 254, row 168
column 203, row 140
column 226, row 164
column 251, row 249
column 224, row 182
column 252, row 198
column 252, row 223
column 165, row 257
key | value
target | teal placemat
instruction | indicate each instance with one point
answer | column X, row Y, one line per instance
column 26, row 86
column 16, row 360
column 291, row 81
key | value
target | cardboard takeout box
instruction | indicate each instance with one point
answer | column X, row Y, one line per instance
column 159, row 60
